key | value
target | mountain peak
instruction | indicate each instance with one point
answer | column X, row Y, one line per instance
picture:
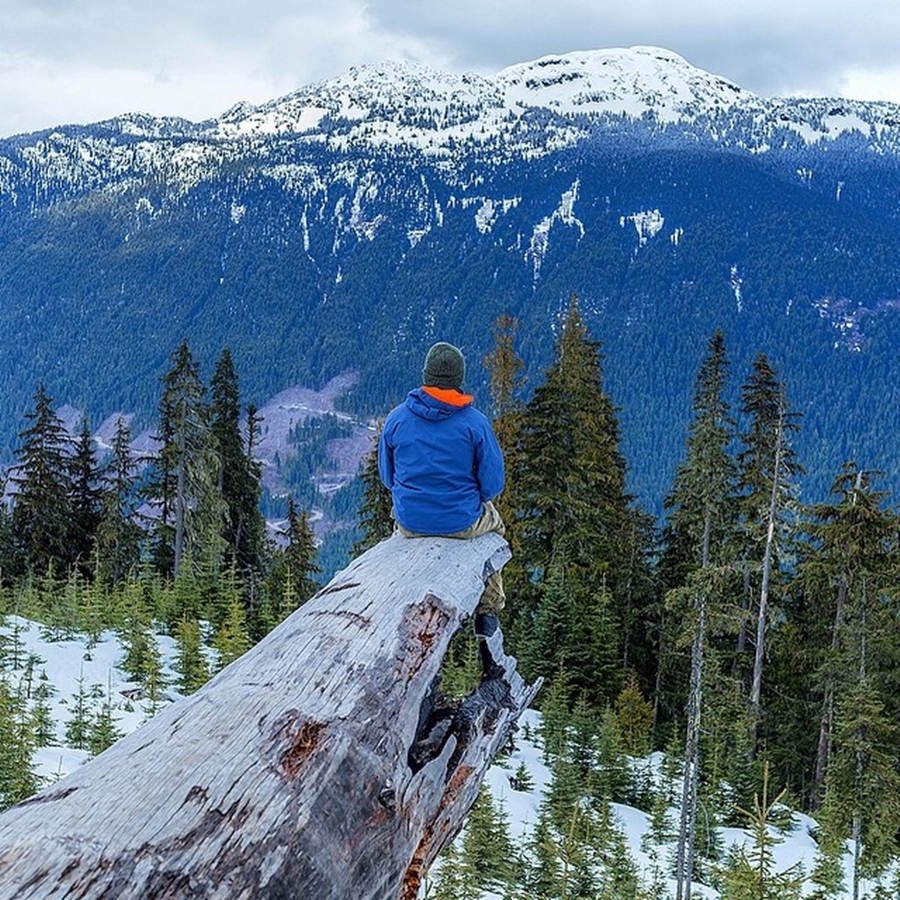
column 625, row 81
column 412, row 103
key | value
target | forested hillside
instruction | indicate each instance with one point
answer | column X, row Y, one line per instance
column 357, row 243
column 752, row 639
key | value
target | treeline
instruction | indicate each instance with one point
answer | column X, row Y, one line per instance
column 753, row 639
column 187, row 512
column 763, row 635
column 171, row 542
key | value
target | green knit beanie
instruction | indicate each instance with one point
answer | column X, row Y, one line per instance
column 445, row 366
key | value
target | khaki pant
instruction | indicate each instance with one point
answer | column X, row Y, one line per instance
column 493, row 599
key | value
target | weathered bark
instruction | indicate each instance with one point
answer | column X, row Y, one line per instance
column 318, row 765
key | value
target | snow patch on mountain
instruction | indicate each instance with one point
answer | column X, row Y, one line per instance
column 490, row 210
column 647, row 223
column 540, row 238
column 846, row 318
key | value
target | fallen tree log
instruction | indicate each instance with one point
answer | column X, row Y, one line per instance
column 319, row 765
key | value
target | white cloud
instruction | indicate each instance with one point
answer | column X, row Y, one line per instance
column 872, row 84
column 84, row 60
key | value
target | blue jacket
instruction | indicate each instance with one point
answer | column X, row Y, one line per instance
column 440, row 460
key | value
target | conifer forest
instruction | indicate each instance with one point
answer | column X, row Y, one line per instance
column 732, row 664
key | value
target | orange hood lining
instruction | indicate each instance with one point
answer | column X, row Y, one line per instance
column 450, row 396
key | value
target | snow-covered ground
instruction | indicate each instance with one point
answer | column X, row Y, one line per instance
column 67, row 662
column 797, row 845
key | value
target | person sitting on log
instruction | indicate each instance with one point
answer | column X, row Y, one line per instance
column 440, row 459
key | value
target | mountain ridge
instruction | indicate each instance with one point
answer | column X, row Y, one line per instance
column 412, row 206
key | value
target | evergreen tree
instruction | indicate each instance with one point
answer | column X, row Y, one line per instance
column 573, row 489
column 635, row 717
column 143, row 661
column 102, row 731
column 118, row 533
column 767, row 471
column 849, row 561
column 827, row 876
column 296, row 566
column 613, row 778
column 190, row 663
column 573, row 515
column 232, row 639
column 486, row 846
column 544, row 878
column 42, row 723
column 376, row 519
column 862, row 798
column 78, row 725
column 620, row 881
column 11, row 557
column 238, row 474
column 185, row 490
column 701, row 520
column 43, row 518
column 456, row 879
column 18, row 777
column 506, row 370
column 86, row 494
column 751, row 874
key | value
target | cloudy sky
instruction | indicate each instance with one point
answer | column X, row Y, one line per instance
column 65, row 61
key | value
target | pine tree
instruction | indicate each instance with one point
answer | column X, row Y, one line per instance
column 238, row 474
column 544, row 878
column 86, row 494
column 613, row 777
column 232, row 639
column 118, row 533
column 42, row 722
column 101, row 730
column 486, row 846
column 767, row 471
column 376, row 519
column 456, row 879
column 190, row 663
column 185, row 490
column 702, row 529
column 506, row 371
column 573, row 490
column 143, row 661
column 621, row 878
column 751, row 874
column 43, row 518
column 296, row 566
column 573, row 515
column 635, row 717
column 827, row 876
column 10, row 555
column 78, row 725
column 849, row 561
column 18, row 776
column 862, row 798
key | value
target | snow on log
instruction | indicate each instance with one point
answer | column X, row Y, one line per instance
column 320, row 765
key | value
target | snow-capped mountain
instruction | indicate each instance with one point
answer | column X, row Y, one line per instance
column 408, row 102
column 347, row 224
column 527, row 110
